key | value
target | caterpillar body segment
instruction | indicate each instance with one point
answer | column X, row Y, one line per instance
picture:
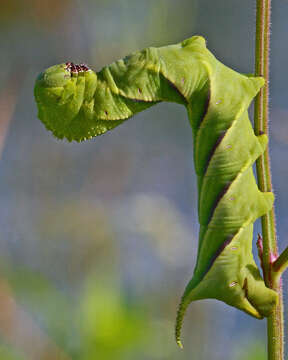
column 75, row 103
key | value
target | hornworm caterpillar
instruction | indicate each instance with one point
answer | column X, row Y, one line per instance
column 75, row 103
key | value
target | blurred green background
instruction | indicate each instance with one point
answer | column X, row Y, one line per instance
column 99, row 239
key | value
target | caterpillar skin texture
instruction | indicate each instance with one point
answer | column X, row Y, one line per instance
column 77, row 104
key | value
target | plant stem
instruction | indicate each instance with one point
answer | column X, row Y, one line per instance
column 270, row 250
column 281, row 263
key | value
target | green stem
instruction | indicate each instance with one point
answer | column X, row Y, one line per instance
column 281, row 264
column 275, row 321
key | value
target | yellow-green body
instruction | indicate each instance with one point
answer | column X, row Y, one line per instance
column 81, row 105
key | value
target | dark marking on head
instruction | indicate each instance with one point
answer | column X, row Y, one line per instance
column 75, row 68
column 84, row 67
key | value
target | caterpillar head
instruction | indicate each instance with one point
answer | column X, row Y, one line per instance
column 64, row 95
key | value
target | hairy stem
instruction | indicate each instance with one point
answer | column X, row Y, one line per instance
column 281, row 264
column 270, row 250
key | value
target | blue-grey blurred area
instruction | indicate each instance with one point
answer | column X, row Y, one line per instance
column 99, row 239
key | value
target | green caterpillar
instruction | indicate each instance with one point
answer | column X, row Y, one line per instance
column 75, row 103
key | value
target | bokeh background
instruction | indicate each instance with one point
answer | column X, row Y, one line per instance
column 99, row 239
